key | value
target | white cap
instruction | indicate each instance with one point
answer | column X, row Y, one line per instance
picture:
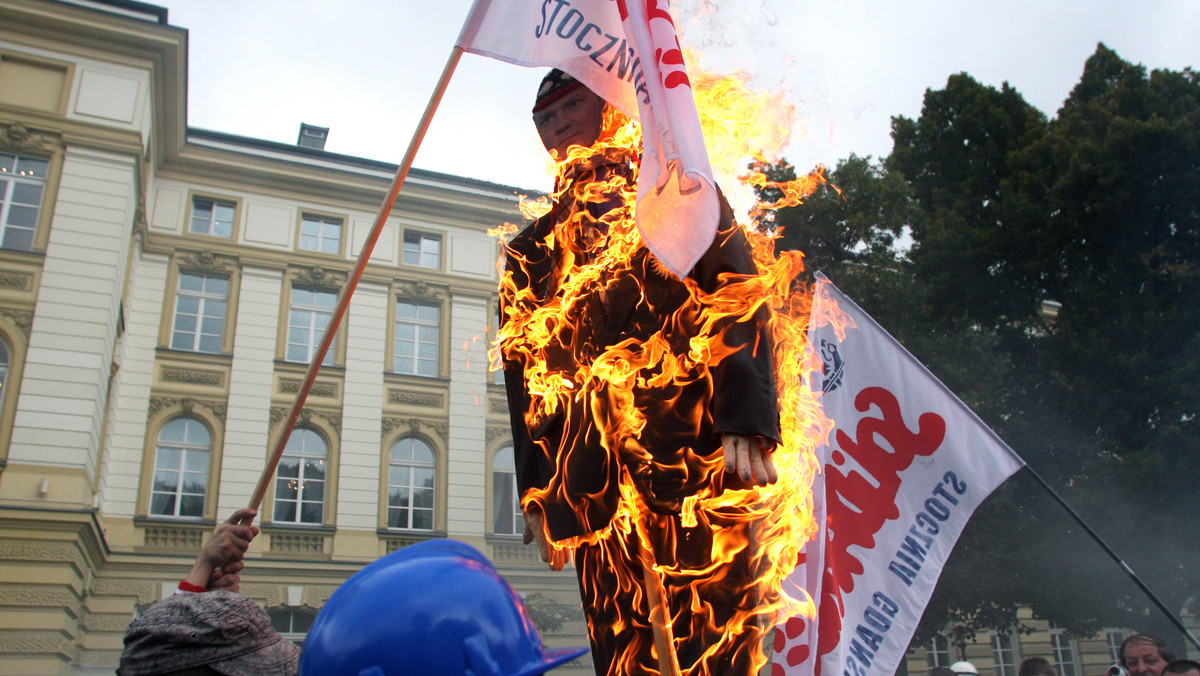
column 964, row 668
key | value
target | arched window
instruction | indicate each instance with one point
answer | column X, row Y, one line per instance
column 300, row 479
column 507, row 518
column 181, row 462
column 412, row 470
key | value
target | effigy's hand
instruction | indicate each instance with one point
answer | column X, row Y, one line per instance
column 534, row 531
column 750, row 457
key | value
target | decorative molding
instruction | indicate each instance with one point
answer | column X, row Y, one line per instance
column 18, row 136
column 18, row 644
column 421, row 290
column 33, row 551
column 289, row 386
column 321, row 277
column 16, row 281
column 106, row 623
column 408, row 397
column 498, row 406
column 298, row 544
column 514, row 552
column 205, row 261
column 267, row 594
column 494, row 432
column 174, row 537
column 32, row 597
column 145, row 592
column 192, row 376
column 316, row 596
column 333, row 419
column 415, row 426
column 23, row 319
column 187, row 405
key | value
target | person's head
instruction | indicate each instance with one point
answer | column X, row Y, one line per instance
column 1036, row 666
column 964, row 667
column 1144, row 655
column 567, row 113
column 435, row 607
column 1183, row 668
column 941, row 671
column 216, row 632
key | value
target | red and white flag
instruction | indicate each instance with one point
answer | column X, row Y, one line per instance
column 904, row 468
column 626, row 51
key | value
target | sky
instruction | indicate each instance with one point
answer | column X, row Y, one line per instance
column 367, row 69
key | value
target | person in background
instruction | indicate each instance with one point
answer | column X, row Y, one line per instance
column 206, row 627
column 1144, row 655
column 964, row 667
column 1036, row 666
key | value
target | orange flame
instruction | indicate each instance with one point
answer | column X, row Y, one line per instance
column 741, row 126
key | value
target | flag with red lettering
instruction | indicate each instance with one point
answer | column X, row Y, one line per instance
column 903, row 469
column 627, row 51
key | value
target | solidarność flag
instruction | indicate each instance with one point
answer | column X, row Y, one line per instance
column 905, row 466
column 626, row 51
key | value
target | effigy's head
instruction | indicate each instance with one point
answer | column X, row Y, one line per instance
column 567, row 113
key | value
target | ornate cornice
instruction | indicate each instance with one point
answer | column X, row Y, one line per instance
column 187, row 405
column 333, row 419
column 289, row 386
column 421, row 290
column 206, row 262
column 192, row 376
column 321, row 277
column 18, row 137
column 440, row 429
column 428, row 399
column 495, row 432
column 16, row 281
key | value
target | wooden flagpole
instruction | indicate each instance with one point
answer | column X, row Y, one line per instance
column 385, row 209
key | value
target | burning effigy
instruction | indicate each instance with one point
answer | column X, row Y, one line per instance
column 626, row 382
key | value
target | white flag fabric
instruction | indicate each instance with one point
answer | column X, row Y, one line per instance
column 904, row 468
column 626, row 51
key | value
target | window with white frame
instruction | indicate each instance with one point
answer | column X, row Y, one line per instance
column 1004, row 654
column 310, row 312
column 292, row 623
column 415, row 347
column 1064, row 653
column 938, row 652
column 300, row 479
column 321, row 234
column 412, row 470
column 422, row 250
column 1114, row 638
column 181, row 462
column 507, row 517
column 22, row 184
column 212, row 217
column 200, row 305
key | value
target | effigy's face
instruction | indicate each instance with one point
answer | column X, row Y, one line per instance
column 575, row 119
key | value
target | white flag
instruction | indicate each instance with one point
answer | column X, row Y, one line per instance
column 626, row 51
column 906, row 465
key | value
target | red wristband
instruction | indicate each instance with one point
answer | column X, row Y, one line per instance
column 186, row 586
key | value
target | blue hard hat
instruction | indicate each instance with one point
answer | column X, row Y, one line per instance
column 436, row 607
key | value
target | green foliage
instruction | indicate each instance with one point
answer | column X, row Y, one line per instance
column 547, row 614
column 1098, row 209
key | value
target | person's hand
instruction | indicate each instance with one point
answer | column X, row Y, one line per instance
column 534, row 531
column 222, row 555
column 750, row 457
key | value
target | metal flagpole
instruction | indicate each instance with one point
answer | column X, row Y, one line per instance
column 364, row 255
column 1124, row 566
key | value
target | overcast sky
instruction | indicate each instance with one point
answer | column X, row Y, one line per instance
column 367, row 68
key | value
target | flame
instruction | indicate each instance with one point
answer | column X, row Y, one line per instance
column 770, row 524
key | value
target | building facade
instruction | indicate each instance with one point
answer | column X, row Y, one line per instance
column 162, row 291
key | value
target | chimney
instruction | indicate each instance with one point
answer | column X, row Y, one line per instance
column 312, row 136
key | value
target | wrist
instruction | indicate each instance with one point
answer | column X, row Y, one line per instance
column 200, row 575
